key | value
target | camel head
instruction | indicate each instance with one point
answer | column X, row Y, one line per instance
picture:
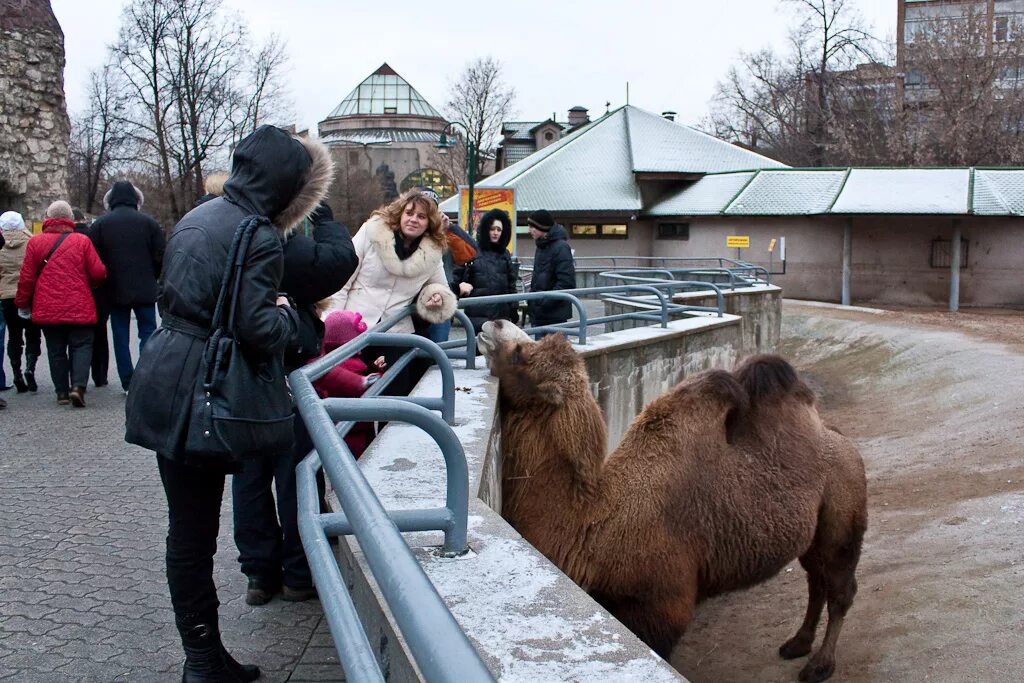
column 536, row 373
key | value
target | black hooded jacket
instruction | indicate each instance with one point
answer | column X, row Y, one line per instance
column 553, row 268
column 491, row 272
column 131, row 245
column 318, row 260
column 273, row 175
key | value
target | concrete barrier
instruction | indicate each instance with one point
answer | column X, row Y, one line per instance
column 527, row 619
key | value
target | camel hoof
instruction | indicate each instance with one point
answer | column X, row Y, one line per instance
column 814, row 672
column 795, row 647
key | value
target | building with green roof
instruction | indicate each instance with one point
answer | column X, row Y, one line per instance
column 635, row 184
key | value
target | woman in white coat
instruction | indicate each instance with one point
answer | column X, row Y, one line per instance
column 399, row 249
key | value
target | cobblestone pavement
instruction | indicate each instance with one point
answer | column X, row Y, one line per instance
column 82, row 528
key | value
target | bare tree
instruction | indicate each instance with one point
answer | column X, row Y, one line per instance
column 195, row 86
column 481, row 100
column 355, row 193
column 964, row 90
column 99, row 137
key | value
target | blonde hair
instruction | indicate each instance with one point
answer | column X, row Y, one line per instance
column 392, row 213
column 60, row 209
column 215, row 183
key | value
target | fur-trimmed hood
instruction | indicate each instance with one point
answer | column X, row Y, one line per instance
column 279, row 176
column 123, row 193
column 422, row 262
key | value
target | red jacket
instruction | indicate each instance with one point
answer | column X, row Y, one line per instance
column 348, row 380
column 62, row 293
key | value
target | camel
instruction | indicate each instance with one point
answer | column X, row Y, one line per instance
column 716, row 486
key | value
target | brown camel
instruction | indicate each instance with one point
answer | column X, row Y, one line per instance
column 717, row 485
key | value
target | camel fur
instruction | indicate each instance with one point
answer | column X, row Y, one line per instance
column 716, row 486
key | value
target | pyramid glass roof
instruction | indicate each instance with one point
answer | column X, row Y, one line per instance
column 384, row 92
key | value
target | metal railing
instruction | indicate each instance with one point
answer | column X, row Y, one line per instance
column 438, row 645
column 653, row 261
column 729, row 278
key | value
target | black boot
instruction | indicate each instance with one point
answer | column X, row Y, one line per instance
column 30, row 372
column 19, row 383
column 206, row 660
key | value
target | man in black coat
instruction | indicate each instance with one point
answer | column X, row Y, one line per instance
column 282, row 179
column 131, row 245
column 318, row 260
column 553, row 268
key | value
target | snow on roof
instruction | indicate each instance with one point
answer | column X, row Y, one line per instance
column 905, row 190
column 785, row 193
column 998, row 192
column 709, row 195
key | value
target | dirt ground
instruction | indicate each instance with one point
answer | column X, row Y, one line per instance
column 934, row 402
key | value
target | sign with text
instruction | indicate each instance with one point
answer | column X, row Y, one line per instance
column 771, row 245
column 485, row 199
column 737, row 242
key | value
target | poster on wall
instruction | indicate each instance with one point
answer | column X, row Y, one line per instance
column 485, row 199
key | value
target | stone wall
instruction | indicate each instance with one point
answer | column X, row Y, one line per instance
column 34, row 126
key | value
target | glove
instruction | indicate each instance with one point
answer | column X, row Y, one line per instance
column 321, row 214
column 25, row 313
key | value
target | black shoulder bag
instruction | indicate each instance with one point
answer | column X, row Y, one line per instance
column 241, row 406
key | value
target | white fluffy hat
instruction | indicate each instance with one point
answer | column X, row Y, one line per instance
column 11, row 220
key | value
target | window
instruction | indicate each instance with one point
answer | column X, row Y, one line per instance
column 432, row 178
column 600, row 231
column 914, row 77
column 673, row 231
column 549, row 136
column 942, row 254
column 1001, row 32
column 390, row 110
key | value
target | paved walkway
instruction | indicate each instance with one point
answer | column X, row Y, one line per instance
column 82, row 528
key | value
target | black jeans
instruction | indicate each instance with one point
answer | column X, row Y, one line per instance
column 100, row 344
column 69, row 349
column 193, row 511
column 23, row 336
column 269, row 546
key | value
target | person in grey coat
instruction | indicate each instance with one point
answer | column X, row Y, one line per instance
column 283, row 179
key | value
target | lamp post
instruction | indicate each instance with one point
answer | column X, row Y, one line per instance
column 442, row 148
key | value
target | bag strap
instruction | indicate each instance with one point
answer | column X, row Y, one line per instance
column 46, row 259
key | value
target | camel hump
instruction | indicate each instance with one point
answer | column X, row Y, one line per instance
column 768, row 377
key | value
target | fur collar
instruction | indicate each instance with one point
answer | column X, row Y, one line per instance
column 321, row 173
column 423, row 261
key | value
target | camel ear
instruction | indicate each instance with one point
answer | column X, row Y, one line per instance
column 550, row 392
column 734, row 399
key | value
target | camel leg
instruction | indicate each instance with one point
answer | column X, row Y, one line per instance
column 842, row 586
column 801, row 643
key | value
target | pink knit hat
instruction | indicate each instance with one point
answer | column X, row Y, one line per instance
column 341, row 327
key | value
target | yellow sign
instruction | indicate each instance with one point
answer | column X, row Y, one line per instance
column 771, row 245
column 485, row 199
column 737, row 242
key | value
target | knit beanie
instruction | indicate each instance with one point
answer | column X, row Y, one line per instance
column 60, row 209
column 541, row 219
column 11, row 220
column 341, row 327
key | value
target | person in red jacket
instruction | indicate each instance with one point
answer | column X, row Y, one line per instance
column 350, row 378
column 60, row 269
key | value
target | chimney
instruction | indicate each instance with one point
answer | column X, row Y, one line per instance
column 670, row 115
column 578, row 116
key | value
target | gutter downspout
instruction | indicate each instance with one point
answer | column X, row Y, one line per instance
column 847, row 259
column 954, row 268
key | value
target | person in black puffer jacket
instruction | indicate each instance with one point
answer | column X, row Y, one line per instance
column 283, row 179
column 318, row 260
column 553, row 268
column 491, row 272
column 131, row 245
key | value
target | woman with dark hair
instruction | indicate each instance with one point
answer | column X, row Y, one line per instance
column 276, row 181
column 491, row 272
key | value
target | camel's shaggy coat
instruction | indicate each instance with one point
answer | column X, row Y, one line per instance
column 717, row 485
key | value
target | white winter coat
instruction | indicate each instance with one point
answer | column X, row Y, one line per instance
column 383, row 283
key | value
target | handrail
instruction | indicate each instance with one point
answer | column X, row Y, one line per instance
column 439, row 646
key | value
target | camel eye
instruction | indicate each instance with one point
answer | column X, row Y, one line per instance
column 518, row 358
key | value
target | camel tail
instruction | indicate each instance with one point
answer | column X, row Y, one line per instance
column 768, row 377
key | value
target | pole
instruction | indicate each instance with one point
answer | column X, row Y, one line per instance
column 954, row 268
column 472, row 181
column 847, row 260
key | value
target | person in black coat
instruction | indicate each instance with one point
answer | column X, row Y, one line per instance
column 318, row 260
column 553, row 268
column 491, row 272
column 131, row 245
column 283, row 179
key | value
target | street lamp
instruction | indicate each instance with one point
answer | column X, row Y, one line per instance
column 442, row 148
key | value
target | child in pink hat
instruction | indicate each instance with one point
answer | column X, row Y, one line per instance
column 352, row 377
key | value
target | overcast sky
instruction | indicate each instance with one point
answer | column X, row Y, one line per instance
column 556, row 54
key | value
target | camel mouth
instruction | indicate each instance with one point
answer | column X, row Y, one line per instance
column 497, row 333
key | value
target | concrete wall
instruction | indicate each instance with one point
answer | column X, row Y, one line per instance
column 890, row 256
column 526, row 618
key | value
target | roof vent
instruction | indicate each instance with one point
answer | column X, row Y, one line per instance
column 670, row 115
